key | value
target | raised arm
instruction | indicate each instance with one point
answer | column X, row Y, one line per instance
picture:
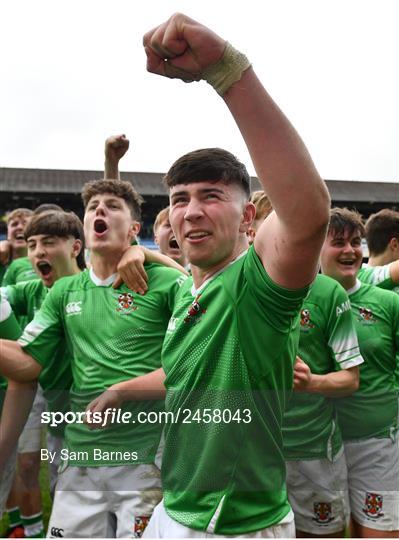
column 116, row 147
column 290, row 240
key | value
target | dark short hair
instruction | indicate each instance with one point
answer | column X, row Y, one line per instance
column 380, row 229
column 209, row 165
column 58, row 223
column 47, row 206
column 119, row 188
column 344, row 220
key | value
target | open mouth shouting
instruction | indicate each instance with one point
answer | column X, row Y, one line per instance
column 19, row 237
column 44, row 268
column 173, row 243
column 100, row 227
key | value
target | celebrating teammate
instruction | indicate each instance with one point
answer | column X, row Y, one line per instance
column 231, row 340
column 54, row 241
column 369, row 417
column 382, row 235
column 164, row 237
column 110, row 483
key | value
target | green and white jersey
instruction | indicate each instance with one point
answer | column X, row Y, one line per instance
column 372, row 411
column 18, row 271
column 9, row 329
column 113, row 335
column 328, row 342
column 380, row 276
column 26, row 299
column 228, row 357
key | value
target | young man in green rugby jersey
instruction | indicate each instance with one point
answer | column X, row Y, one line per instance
column 14, row 248
column 382, row 235
column 110, row 484
column 368, row 418
column 9, row 329
column 326, row 367
column 231, row 341
column 54, row 242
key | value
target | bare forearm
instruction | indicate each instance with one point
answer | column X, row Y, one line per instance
column 17, row 405
column 111, row 170
column 15, row 364
column 149, row 386
column 152, row 256
column 281, row 159
column 336, row 384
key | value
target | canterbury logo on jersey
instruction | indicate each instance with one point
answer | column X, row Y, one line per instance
column 56, row 532
column 73, row 308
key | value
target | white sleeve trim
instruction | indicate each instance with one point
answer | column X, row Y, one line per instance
column 357, row 360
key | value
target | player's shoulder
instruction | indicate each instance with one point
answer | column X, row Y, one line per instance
column 21, row 262
column 30, row 287
column 378, row 296
column 158, row 273
column 73, row 282
column 323, row 286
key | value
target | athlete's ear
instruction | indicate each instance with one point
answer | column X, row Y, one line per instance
column 76, row 247
column 394, row 244
column 248, row 215
column 134, row 229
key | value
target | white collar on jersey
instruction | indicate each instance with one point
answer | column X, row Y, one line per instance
column 195, row 291
column 355, row 288
column 101, row 282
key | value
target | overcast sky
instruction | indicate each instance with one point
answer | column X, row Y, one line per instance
column 73, row 72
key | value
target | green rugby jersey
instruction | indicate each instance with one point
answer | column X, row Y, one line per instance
column 228, row 357
column 372, row 411
column 9, row 329
column 113, row 335
column 327, row 342
column 379, row 276
column 19, row 270
column 26, row 299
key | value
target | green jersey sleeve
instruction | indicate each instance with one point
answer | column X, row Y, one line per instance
column 44, row 333
column 9, row 327
column 380, row 276
column 281, row 305
column 341, row 332
column 19, row 270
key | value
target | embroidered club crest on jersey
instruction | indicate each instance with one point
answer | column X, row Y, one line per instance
column 305, row 320
column 366, row 316
column 373, row 505
column 194, row 312
column 140, row 523
column 322, row 513
column 126, row 303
